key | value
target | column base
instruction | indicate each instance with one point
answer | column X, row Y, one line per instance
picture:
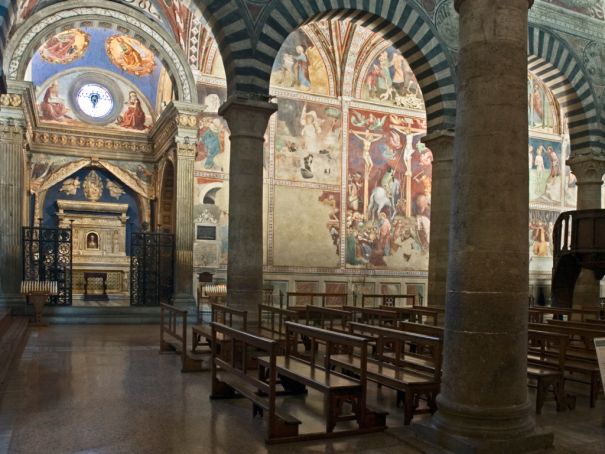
column 184, row 301
column 538, row 440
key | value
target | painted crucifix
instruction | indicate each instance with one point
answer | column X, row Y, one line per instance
column 368, row 138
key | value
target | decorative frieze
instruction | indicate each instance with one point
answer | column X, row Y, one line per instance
column 90, row 141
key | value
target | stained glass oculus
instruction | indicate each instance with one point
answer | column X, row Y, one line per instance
column 95, row 100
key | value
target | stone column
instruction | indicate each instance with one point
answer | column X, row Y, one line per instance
column 441, row 144
column 12, row 156
column 589, row 170
column 184, row 228
column 483, row 405
column 248, row 120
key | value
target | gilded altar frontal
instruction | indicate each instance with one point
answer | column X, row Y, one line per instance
column 168, row 164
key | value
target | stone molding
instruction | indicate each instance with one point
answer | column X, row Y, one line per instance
column 458, row 3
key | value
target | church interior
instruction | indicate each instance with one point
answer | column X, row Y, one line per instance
column 308, row 222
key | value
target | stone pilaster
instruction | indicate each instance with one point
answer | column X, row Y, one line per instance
column 12, row 180
column 184, row 231
column 248, row 120
column 588, row 169
column 441, row 143
column 483, row 405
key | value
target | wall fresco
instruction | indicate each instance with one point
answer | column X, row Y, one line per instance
column 388, row 192
column 545, row 180
column 390, row 80
column 299, row 65
column 541, row 107
column 308, row 142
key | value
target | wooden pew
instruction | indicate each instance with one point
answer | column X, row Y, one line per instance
column 421, row 328
column 232, row 375
column 580, row 358
column 234, row 318
column 558, row 313
column 327, row 318
column 369, row 300
column 415, row 313
column 209, row 294
column 394, row 366
column 546, row 371
column 330, row 300
column 173, row 336
column 272, row 322
column 315, row 370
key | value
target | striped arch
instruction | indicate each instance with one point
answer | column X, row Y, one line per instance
column 8, row 11
column 559, row 68
column 399, row 21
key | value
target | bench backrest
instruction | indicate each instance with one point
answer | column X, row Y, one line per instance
column 375, row 300
column 571, row 332
column 234, row 318
column 316, row 299
column 333, row 341
column 234, row 358
column 373, row 316
column 544, row 342
column 394, row 346
column 327, row 318
column 581, row 325
column 273, row 319
column 173, row 323
column 415, row 313
column 421, row 328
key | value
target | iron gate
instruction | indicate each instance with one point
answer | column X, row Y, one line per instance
column 47, row 257
column 151, row 268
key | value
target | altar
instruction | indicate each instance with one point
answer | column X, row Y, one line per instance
column 98, row 248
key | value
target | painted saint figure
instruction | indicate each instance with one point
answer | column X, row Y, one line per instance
column 134, row 117
column 52, row 106
column 301, row 68
column 310, row 131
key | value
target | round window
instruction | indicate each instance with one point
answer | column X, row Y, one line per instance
column 95, row 100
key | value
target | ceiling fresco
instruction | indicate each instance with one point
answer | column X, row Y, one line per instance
column 129, row 64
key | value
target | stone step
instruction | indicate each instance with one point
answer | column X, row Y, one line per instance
column 12, row 343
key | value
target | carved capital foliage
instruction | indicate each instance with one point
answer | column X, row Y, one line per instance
column 588, row 169
column 11, row 131
column 185, row 149
column 247, row 117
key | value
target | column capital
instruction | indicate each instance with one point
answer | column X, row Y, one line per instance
column 458, row 3
column 247, row 116
column 441, row 143
column 588, row 168
column 184, row 148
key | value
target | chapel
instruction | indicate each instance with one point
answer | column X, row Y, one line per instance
column 261, row 225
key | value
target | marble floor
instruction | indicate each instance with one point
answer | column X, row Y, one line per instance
column 105, row 389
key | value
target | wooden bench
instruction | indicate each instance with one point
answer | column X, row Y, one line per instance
column 421, row 328
column 173, row 336
column 272, row 322
column 209, row 294
column 395, row 366
column 316, row 371
column 233, row 376
column 292, row 300
column 558, row 313
column 327, row 318
column 580, row 357
column 372, row 316
column 220, row 313
column 371, row 300
column 415, row 314
column 542, row 368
